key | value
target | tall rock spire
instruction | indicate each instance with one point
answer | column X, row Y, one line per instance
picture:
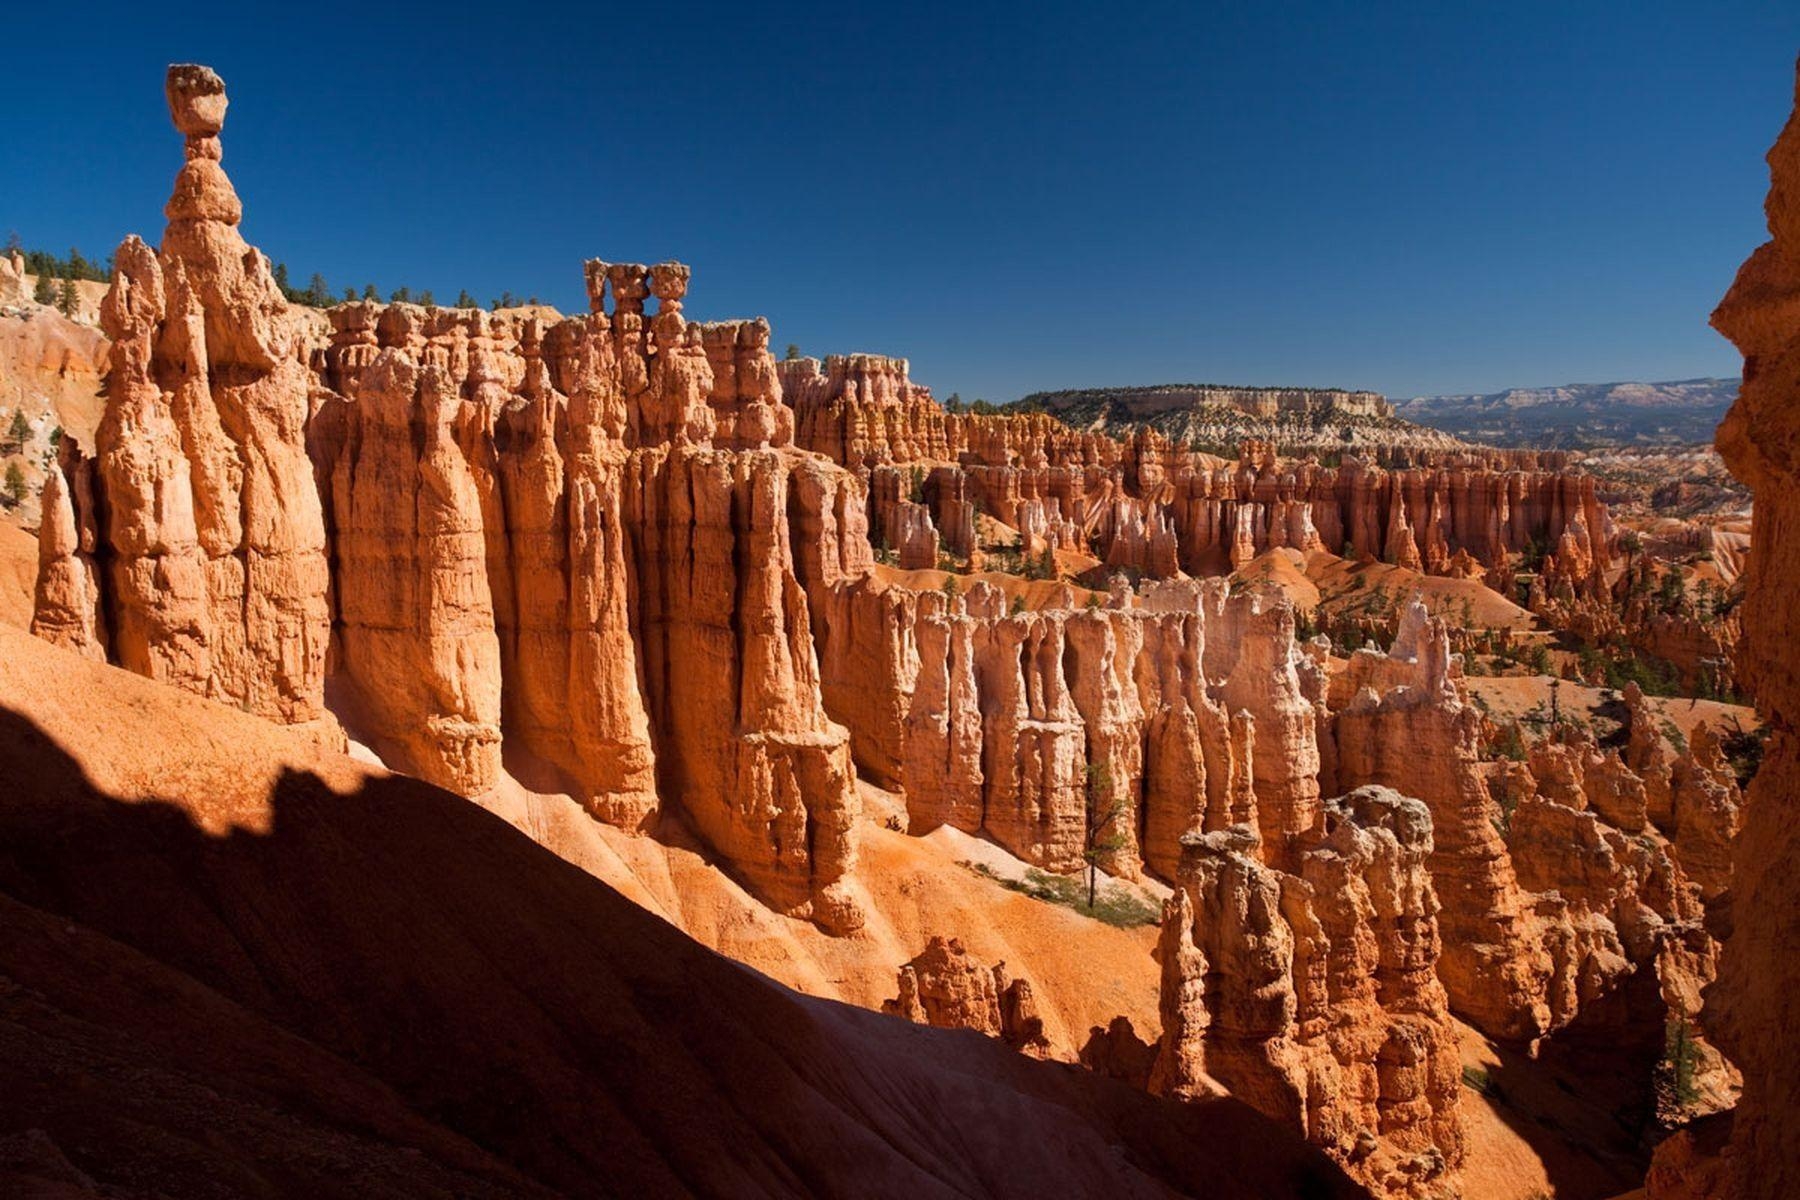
column 211, row 540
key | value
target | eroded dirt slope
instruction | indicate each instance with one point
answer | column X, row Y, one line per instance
column 379, row 986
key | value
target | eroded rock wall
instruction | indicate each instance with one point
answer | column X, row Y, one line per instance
column 1313, row 995
column 1754, row 1010
column 1180, row 710
column 565, row 550
column 1141, row 502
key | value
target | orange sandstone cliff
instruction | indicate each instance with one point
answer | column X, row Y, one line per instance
column 1754, row 1010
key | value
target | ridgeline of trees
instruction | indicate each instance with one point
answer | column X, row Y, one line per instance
column 57, row 276
column 979, row 407
column 319, row 294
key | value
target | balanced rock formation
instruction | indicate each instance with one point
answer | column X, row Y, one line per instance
column 215, row 573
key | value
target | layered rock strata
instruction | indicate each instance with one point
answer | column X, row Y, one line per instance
column 1143, row 503
column 1180, row 710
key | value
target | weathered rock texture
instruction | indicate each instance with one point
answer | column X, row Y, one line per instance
column 503, row 533
column 1562, row 883
column 944, row 987
column 1754, row 1011
column 1142, row 502
column 589, row 552
column 199, row 527
column 1184, row 709
column 1313, row 995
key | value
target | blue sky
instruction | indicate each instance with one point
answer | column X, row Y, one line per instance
column 1408, row 198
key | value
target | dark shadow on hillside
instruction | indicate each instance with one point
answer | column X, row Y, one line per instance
column 394, row 992
column 1585, row 1103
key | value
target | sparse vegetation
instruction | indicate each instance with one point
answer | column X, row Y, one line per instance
column 1119, row 907
column 1478, row 1079
column 1104, row 837
column 1681, row 1055
column 1510, row 744
column 76, row 265
column 14, row 486
column 1743, row 749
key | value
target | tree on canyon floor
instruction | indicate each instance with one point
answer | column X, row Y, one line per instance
column 1103, row 836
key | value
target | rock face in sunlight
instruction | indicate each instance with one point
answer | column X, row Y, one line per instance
column 213, row 536
column 1143, row 503
column 1755, row 1009
column 1314, row 995
column 492, row 524
column 944, row 987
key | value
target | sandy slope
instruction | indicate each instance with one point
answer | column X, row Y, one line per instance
column 1508, row 697
column 18, row 575
column 234, row 962
column 1083, row 972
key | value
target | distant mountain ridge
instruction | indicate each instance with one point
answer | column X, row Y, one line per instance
column 1580, row 415
column 1219, row 418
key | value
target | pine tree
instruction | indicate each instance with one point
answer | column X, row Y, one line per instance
column 45, row 292
column 15, row 483
column 317, row 293
column 427, row 299
column 464, row 300
column 19, row 430
column 349, row 295
column 400, row 295
column 793, row 352
column 79, row 267
column 1104, row 837
column 69, row 301
column 281, row 281
column 13, row 244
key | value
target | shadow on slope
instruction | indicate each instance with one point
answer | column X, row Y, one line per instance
column 394, row 992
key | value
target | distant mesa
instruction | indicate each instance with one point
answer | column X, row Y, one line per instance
column 1215, row 417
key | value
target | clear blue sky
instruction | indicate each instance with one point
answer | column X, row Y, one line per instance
column 1441, row 197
